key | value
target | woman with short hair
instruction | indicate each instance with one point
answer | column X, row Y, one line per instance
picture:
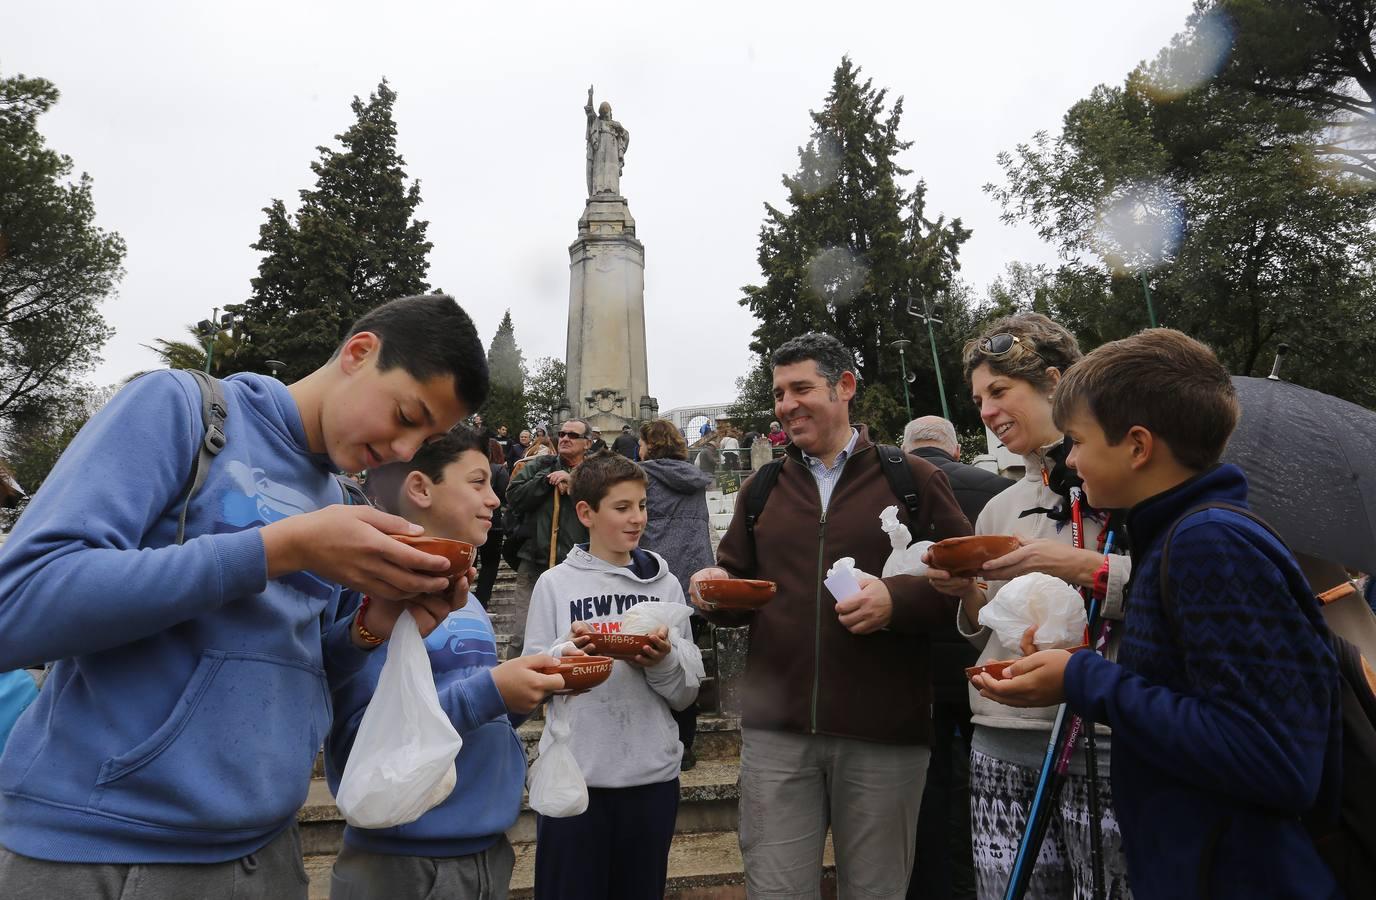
column 677, row 526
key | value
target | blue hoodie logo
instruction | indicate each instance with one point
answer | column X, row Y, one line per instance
column 258, row 499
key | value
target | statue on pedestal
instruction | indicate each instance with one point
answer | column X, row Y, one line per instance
column 607, row 142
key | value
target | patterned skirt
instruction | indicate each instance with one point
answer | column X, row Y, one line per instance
column 1000, row 795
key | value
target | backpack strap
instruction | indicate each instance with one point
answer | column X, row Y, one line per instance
column 894, row 462
column 354, row 494
column 213, row 414
column 758, row 492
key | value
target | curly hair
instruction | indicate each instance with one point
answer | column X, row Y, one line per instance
column 663, row 440
column 1043, row 344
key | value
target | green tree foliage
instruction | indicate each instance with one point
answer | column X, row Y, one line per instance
column 754, row 406
column 228, row 350
column 853, row 245
column 546, row 388
column 1273, row 245
column 40, row 433
column 56, row 266
column 1316, row 57
column 352, row 245
column 506, row 402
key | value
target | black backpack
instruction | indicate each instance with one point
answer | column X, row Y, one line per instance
column 892, row 461
column 1346, row 843
column 213, row 415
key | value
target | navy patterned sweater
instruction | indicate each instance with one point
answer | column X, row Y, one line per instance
column 1224, row 711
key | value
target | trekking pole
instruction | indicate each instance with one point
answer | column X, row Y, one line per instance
column 1065, row 734
column 1096, row 833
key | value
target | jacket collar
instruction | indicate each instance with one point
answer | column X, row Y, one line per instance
column 862, row 442
column 933, row 453
column 1150, row 518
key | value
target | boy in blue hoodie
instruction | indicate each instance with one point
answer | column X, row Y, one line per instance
column 459, row 849
column 170, row 749
column 623, row 735
column 1224, row 698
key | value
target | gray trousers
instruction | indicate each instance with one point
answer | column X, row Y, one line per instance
column 794, row 787
column 526, row 575
column 361, row 875
column 275, row 872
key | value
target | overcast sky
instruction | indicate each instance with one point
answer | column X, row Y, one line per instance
column 191, row 117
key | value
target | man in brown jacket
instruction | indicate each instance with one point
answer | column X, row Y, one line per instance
column 836, row 694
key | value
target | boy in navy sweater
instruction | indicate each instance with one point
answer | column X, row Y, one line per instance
column 1223, row 701
column 170, row 749
column 458, row 849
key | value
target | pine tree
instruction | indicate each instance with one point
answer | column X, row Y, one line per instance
column 352, row 245
column 56, row 266
column 545, row 390
column 506, row 401
column 854, row 245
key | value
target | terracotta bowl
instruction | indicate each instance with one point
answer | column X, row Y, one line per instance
column 580, row 672
column 459, row 553
column 618, row 646
column 735, row 593
column 993, row 669
column 963, row 556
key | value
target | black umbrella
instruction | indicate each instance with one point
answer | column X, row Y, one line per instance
column 1310, row 460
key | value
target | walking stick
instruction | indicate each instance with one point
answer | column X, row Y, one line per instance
column 1065, row 733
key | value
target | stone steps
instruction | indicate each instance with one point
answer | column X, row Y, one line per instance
column 704, row 866
column 704, row 859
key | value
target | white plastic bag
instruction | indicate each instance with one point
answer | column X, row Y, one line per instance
column 644, row 618
column 402, row 761
column 1054, row 607
column 903, row 559
column 557, row 788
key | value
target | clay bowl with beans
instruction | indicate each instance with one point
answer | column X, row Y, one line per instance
column 580, row 673
column 459, row 553
column 618, row 646
column 735, row 593
column 964, row 557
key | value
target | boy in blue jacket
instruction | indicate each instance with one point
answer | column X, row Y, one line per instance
column 458, row 849
column 1224, row 698
column 170, row 748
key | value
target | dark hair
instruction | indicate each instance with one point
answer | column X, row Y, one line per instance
column 428, row 336
column 601, row 472
column 1047, row 344
column 663, row 440
column 1160, row 379
column 432, row 458
column 495, row 454
column 830, row 355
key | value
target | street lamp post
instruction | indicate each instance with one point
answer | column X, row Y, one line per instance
column 929, row 316
column 902, row 346
column 212, row 328
column 274, row 365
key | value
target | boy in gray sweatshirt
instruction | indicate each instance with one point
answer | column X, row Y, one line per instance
column 624, row 737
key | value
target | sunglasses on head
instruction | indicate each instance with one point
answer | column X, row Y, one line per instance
column 997, row 345
column 572, row 435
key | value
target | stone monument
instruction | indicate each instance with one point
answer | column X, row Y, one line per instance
column 608, row 382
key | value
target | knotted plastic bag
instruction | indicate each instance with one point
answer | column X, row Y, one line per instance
column 644, row 618
column 557, row 787
column 903, row 558
column 1036, row 599
column 843, row 579
column 402, row 761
